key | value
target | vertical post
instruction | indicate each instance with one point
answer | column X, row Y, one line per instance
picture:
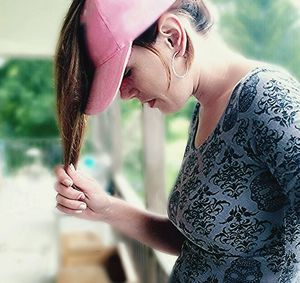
column 2, row 160
column 151, row 268
column 101, row 141
column 154, row 159
column 116, row 133
column 98, row 133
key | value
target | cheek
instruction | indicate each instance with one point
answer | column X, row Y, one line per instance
column 154, row 80
column 153, row 73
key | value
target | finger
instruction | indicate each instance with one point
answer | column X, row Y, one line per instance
column 68, row 192
column 67, row 210
column 70, row 204
column 79, row 179
column 62, row 176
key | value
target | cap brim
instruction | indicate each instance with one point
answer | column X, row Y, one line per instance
column 106, row 82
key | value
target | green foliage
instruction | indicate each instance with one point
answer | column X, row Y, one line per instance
column 266, row 30
column 27, row 106
column 173, row 133
column 128, row 107
column 27, row 112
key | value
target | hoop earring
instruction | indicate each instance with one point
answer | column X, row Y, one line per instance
column 174, row 70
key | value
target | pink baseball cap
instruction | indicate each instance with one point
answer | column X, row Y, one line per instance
column 110, row 28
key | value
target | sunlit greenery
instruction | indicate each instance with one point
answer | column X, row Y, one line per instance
column 27, row 99
column 27, row 116
column 267, row 30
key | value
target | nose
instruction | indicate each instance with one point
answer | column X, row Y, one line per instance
column 127, row 91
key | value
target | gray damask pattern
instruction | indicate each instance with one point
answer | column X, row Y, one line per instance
column 237, row 197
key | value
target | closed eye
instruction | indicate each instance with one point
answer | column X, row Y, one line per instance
column 127, row 73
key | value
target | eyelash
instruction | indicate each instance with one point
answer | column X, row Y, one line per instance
column 127, row 73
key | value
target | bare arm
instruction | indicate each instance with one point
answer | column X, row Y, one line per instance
column 91, row 202
column 151, row 229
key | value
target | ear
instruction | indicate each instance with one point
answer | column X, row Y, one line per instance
column 172, row 33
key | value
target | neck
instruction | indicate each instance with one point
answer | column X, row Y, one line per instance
column 216, row 70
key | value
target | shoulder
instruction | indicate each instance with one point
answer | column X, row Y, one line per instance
column 267, row 93
column 269, row 90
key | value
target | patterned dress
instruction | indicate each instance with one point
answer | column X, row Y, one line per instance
column 237, row 197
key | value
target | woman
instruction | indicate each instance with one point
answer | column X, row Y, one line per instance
column 233, row 215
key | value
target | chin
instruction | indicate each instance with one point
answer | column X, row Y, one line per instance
column 170, row 109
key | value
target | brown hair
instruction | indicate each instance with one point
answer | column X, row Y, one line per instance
column 73, row 76
column 74, row 70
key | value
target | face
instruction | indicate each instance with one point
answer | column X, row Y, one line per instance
column 146, row 79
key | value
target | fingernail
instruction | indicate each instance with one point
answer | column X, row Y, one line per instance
column 82, row 206
column 81, row 197
column 72, row 168
column 68, row 182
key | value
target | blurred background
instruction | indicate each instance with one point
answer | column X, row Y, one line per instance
column 133, row 151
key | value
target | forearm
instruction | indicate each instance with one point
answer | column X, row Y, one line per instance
column 151, row 229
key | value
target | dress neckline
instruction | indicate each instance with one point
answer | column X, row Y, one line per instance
column 236, row 89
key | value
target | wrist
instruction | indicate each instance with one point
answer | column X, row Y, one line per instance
column 106, row 211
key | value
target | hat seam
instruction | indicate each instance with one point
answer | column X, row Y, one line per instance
column 110, row 57
column 105, row 22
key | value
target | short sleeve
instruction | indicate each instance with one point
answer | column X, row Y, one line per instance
column 275, row 131
column 276, row 127
column 276, row 135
